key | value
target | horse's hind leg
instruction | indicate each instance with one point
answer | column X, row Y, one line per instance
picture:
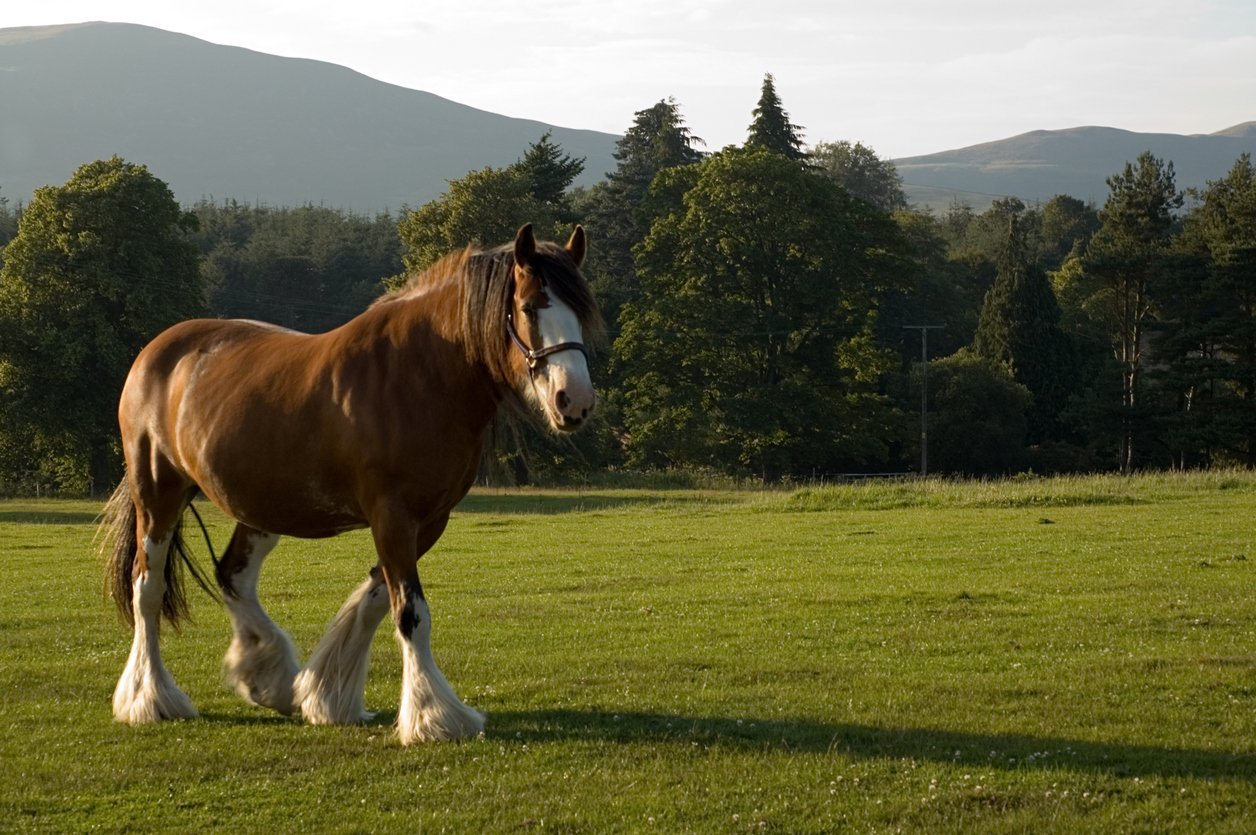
column 146, row 692
column 329, row 691
column 261, row 662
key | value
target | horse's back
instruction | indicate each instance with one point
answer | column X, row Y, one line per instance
column 208, row 336
column 202, row 336
column 184, row 356
column 215, row 399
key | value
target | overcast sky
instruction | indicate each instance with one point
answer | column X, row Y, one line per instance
column 906, row 77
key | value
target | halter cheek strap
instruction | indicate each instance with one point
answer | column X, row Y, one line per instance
column 534, row 356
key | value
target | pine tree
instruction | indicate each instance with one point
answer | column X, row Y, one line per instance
column 658, row 139
column 550, row 172
column 1020, row 328
column 1122, row 262
column 8, row 224
column 771, row 128
column 1210, row 332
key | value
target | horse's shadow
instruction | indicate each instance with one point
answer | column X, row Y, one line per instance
column 977, row 750
column 1004, row 752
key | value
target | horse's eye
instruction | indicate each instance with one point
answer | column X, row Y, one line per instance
column 529, row 310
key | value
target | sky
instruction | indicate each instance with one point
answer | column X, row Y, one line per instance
column 904, row 77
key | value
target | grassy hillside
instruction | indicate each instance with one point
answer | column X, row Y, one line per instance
column 1038, row 165
column 224, row 122
column 1057, row 656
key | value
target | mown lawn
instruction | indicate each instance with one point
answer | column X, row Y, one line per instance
column 1050, row 655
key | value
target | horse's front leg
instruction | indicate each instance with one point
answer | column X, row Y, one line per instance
column 430, row 710
column 330, row 690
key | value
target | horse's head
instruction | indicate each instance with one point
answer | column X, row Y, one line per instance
column 551, row 310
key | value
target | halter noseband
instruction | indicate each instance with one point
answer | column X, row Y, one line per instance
column 534, row 356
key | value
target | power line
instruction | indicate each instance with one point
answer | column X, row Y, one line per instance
column 924, row 392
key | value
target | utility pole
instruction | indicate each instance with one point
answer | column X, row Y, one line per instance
column 924, row 392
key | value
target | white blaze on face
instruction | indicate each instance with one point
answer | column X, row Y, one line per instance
column 562, row 381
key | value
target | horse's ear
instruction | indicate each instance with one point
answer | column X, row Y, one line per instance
column 525, row 245
column 576, row 245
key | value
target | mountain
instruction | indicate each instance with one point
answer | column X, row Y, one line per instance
column 1038, row 165
column 224, row 122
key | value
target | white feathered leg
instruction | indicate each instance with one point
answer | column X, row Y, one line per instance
column 261, row 662
column 146, row 692
column 430, row 710
column 330, row 690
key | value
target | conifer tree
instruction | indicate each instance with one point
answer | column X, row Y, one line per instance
column 771, row 128
column 550, row 172
column 1122, row 264
column 1209, row 355
column 658, row 139
column 8, row 224
column 1020, row 328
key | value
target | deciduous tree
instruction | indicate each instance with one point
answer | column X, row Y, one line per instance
column 485, row 207
column 858, row 169
column 1067, row 227
column 99, row 266
column 977, row 419
column 750, row 348
column 488, row 206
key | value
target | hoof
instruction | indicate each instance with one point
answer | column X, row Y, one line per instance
column 144, row 705
column 448, row 723
column 262, row 671
column 319, row 704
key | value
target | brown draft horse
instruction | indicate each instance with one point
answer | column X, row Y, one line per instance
column 376, row 424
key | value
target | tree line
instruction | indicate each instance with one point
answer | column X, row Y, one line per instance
column 764, row 305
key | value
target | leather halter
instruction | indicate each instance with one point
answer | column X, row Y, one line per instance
column 534, row 356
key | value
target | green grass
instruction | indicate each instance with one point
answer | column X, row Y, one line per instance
column 1046, row 655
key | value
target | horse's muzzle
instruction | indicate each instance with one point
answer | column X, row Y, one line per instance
column 571, row 409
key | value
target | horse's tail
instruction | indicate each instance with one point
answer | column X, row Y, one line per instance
column 116, row 537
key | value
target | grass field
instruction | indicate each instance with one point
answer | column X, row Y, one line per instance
column 1046, row 655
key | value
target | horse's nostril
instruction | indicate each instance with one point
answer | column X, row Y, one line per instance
column 562, row 399
column 584, row 413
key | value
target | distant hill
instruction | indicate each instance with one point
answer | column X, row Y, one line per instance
column 224, row 122
column 1038, row 165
